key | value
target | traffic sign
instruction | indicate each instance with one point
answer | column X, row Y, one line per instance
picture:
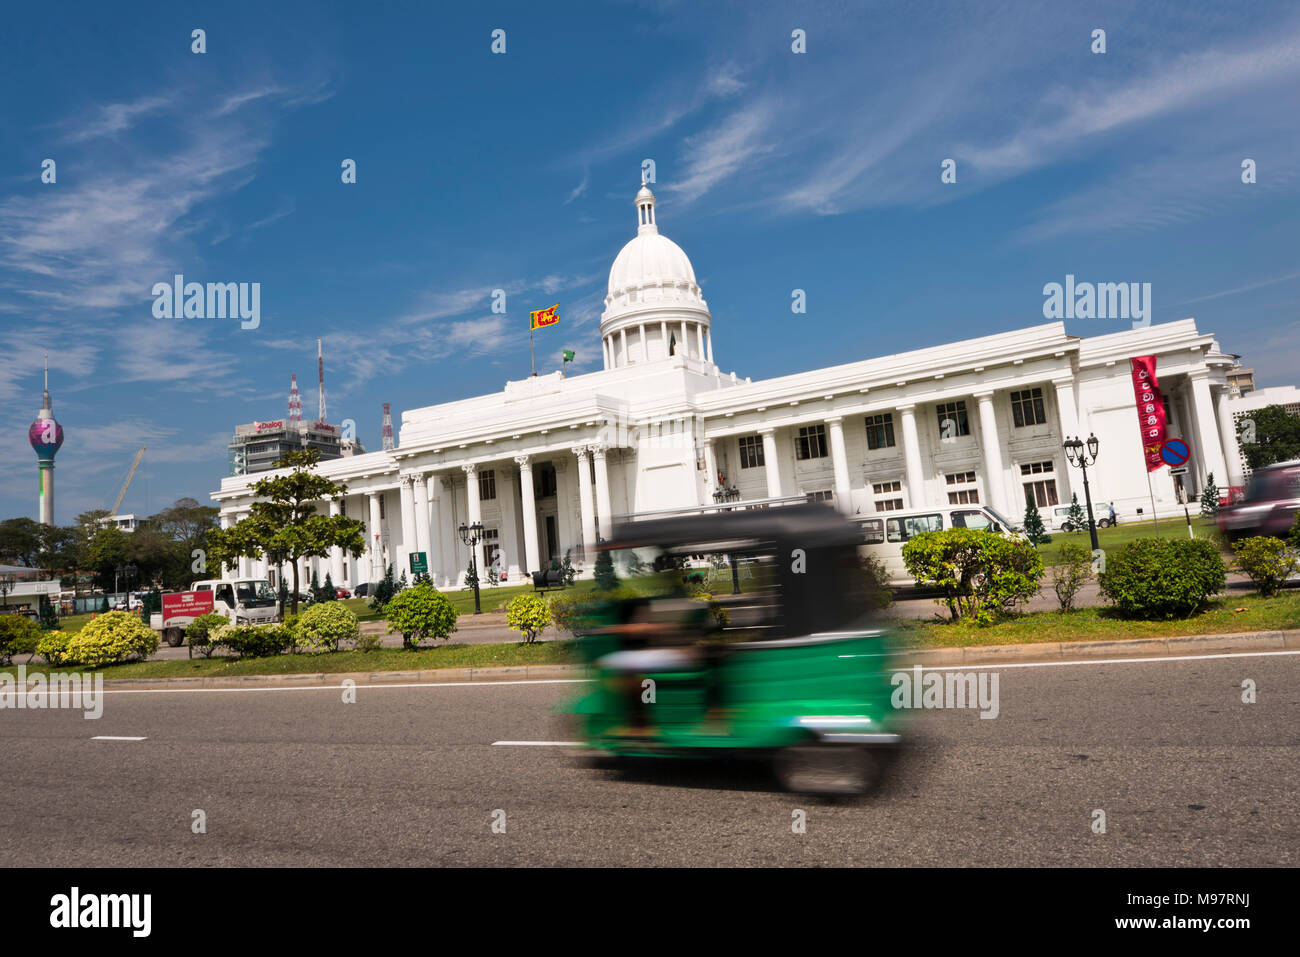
column 1175, row 452
column 419, row 563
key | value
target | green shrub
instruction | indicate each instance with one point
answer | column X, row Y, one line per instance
column 1268, row 562
column 1073, row 572
column 420, row 613
column 605, row 576
column 253, row 641
column 321, row 627
column 201, row 631
column 877, row 594
column 981, row 573
column 529, row 615
column 368, row 641
column 1163, row 577
column 53, row 647
column 111, row 638
column 18, row 634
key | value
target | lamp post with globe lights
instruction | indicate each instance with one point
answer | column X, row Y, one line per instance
column 1082, row 454
column 471, row 535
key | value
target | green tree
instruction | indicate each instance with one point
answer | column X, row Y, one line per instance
column 1034, row 530
column 49, row 618
column 471, row 575
column 606, row 578
column 328, row 591
column 1210, row 497
column 285, row 521
column 20, row 542
column 529, row 615
column 384, row 591
column 1269, row 435
column 567, row 572
column 1076, row 517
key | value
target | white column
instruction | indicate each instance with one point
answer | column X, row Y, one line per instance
column 532, row 559
column 433, row 494
column 226, row 522
column 708, row 341
column 645, row 344
column 474, row 515
column 840, row 464
column 684, row 344
column 336, row 553
column 374, row 540
column 1207, row 430
column 699, row 334
column 622, row 338
column 603, row 506
column 770, row 463
column 420, row 490
column 710, row 471
column 584, row 500
column 663, row 333
column 912, row 454
column 408, row 526
column 993, row 471
column 1228, row 436
column 1066, row 409
column 604, row 348
column 512, row 550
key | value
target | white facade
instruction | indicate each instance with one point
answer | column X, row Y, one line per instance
column 547, row 463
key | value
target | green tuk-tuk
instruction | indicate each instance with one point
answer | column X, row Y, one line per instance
column 769, row 653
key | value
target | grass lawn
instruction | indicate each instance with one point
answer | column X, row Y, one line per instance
column 1232, row 614
column 384, row 659
column 1121, row 535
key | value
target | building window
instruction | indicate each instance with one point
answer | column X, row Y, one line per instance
column 1027, row 408
column 962, row 488
column 751, row 451
column 811, row 442
column 822, row 495
column 880, row 431
column 952, row 419
column 894, row 501
column 487, row 485
column 1040, row 492
column 544, row 480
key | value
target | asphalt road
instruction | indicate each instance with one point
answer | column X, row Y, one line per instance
column 1186, row 773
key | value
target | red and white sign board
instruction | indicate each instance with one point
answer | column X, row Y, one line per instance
column 186, row 604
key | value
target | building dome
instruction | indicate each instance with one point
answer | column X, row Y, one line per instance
column 653, row 298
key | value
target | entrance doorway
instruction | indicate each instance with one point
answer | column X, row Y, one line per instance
column 552, row 540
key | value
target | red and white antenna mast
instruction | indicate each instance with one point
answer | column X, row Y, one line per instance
column 320, row 380
column 388, row 429
column 295, row 403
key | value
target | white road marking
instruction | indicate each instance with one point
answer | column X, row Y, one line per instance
column 988, row 665
column 539, row 744
column 112, row 737
column 337, row 687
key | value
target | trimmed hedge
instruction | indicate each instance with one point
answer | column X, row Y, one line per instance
column 1163, row 577
column 254, row 641
column 981, row 573
column 18, row 635
column 111, row 638
column 321, row 627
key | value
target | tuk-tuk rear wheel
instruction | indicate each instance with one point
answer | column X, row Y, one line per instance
column 828, row 768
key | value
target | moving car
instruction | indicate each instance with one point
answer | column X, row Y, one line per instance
column 1269, row 505
column 790, row 671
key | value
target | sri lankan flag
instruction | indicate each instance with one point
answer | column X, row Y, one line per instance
column 543, row 317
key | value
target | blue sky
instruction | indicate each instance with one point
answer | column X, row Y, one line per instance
column 476, row 171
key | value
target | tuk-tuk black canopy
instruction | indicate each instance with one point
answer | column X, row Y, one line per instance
column 802, row 526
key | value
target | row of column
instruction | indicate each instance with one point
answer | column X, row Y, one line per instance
column 613, row 353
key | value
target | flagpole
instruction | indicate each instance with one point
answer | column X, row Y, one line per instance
column 532, row 364
column 1152, row 493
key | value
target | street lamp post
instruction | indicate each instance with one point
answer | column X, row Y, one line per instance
column 7, row 583
column 1081, row 455
column 730, row 494
column 471, row 535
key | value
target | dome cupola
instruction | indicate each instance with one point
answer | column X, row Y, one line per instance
column 654, row 308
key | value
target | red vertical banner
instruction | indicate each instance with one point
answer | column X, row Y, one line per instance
column 1151, row 409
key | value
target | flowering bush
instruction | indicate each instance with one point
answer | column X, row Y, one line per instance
column 111, row 638
column 529, row 615
column 322, row 626
column 18, row 635
column 202, row 632
column 53, row 647
column 1268, row 562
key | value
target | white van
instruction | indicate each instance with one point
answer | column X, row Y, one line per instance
column 243, row 601
column 886, row 533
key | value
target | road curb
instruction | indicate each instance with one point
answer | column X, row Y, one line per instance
column 984, row 655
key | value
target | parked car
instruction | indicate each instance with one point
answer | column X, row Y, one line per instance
column 342, row 593
column 1269, row 506
column 362, row 590
column 885, row 534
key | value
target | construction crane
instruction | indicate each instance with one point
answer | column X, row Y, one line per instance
column 125, row 485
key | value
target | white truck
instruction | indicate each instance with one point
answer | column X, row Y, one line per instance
column 243, row 601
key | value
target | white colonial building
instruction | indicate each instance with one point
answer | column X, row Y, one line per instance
column 547, row 464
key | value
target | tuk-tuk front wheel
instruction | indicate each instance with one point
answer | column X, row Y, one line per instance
column 828, row 768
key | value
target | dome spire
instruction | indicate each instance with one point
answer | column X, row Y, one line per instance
column 645, row 209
